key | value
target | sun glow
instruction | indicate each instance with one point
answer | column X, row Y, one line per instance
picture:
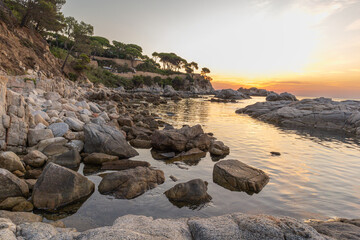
column 278, row 45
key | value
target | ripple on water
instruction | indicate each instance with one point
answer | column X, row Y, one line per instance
column 317, row 174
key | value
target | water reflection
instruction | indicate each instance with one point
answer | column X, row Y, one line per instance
column 316, row 175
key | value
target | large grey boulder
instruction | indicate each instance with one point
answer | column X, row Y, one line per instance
column 237, row 176
column 59, row 129
column 131, row 183
column 193, row 192
column 59, row 186
column 105, row 139
column 11, row 185
column 11, row 162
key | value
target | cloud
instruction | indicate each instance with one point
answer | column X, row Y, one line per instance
column 353, row 26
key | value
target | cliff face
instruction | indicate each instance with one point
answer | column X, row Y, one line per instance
column 23, row 51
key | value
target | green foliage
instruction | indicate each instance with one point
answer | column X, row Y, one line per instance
column 60, row 53
column 98, row 75
column 73, row 77
column 82, row 63
column 178, row 83
column 30, row 79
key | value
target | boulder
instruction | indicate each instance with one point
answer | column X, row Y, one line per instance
column 74, row 124
column 237, row 176
column 131, row 183
column 140, row 143
column 59, row 186
column 123, row 164
column 192, row 156
column 35, row 159
column 105, row 139
column 230, row 94
column 282, row 97
column 99, row 158
column 193, row 192
column 77, row 145
column 11, row 186
column 70, row 159
column 11, row 162
column 338, row 228
column 35, row 136
column 218, row 148
column 59, row 129
column 20, row 217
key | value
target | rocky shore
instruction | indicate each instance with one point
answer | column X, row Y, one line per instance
column 319, row 113
column 50, row 126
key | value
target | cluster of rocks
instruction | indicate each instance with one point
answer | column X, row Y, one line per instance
column 319, row 113
column 230, row 94
column 280, row 97
column 255, row 91
column 231, row 226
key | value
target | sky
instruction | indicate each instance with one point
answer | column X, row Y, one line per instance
column 307, row 47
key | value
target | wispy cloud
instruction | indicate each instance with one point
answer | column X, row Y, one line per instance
column 353, row 26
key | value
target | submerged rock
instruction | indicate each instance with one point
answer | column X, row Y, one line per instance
column 131, row 183
column 123, row 164
column 105, row 139
column 193, row 192
column 59, row 186
column 237, row 176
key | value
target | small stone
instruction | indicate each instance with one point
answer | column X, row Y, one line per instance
column 35, row 159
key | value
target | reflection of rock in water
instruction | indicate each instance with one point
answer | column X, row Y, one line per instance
column 237, row 176
column 192, row 194
column 63, row 212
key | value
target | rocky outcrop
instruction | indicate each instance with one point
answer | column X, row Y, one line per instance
column 281, row 97
column 319, row 113
column 338, row 228
column 237, row 176
column 230, row 94
column 190, row 193
column 105, row 139
column 131, row 183
column 231, row 227
column 59, row 186
column 255, row 91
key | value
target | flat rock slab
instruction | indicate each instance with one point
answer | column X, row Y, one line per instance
column 20, row 217
column 339, row 229
column 131, row 183
column 123, row 164
column 237, row 176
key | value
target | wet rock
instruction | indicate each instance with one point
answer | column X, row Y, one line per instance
column 123, row 164
column 11, row 186
column 35, row 136
column 139, row 143
column 59, row 186
column 35, row 159
column 237, row 176
column 275, row 153
column 131, row 183
column 20, row 217
column 99, row 158
column 59, row 129
column 193, row 192
column 218, row 148
column 107, row 140
column 70, row 159
column 11, row 162
column 193, row 155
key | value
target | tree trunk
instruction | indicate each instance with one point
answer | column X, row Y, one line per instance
column 66, row 59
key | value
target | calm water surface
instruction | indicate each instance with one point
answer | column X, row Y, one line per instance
column 316, row 176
